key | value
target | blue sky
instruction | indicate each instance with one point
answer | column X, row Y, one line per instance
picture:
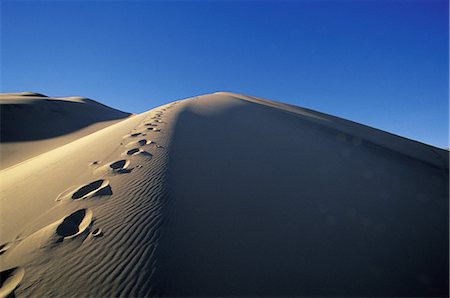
column 381, row 63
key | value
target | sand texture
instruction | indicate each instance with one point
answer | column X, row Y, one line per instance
column 222, row 195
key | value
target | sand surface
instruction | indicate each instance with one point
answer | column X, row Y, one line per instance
column 227, row 195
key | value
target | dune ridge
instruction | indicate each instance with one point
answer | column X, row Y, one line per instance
column 228, row 195
column 414, row 149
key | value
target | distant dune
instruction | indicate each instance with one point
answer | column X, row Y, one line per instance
column 216, row 195
column 32, row 123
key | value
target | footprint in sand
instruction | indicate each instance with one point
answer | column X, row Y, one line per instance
column 153, row 129
column 133, row 151
column 97, row 232
column 68, row 227
column 120, row 166
column 10, row 280
column 145, row 142
column 150, row 128
column 95, row 162
column 137, row 151
column 151, row 124
column 133, row 135
column 75, row 224
column 142, row 142
column 116, row 167
column 97, row 188
column 4, row 248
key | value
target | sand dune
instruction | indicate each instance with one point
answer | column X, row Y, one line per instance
column 32, row 123
column 227, row 195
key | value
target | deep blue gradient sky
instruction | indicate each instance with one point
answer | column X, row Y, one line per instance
column 380, row 63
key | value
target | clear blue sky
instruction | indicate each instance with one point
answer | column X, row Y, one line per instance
column 380, row 63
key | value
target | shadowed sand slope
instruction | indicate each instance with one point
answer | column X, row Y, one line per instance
column 273, row 200
column 227, row 195
column 32, row 123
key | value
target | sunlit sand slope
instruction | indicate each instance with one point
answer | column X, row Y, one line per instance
column 227, row 195
column 83, row 219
